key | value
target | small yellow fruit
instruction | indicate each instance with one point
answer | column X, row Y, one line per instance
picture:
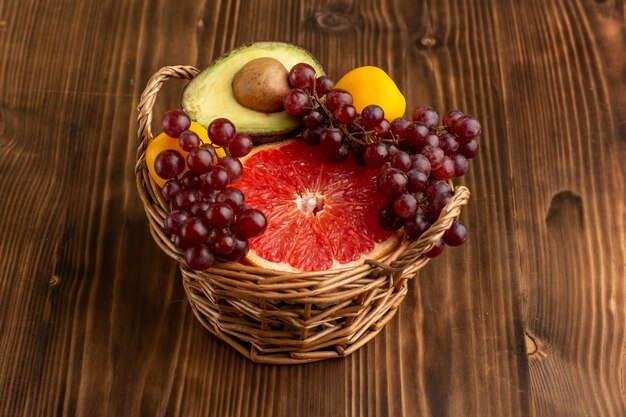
column 371, row 85
column 164, row 142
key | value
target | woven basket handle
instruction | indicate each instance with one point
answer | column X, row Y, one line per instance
column 148, row 97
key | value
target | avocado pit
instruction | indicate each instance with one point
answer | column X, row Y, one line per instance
column 261, row 84
column 209, row 95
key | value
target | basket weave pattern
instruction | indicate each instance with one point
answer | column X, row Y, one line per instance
column 287, row 318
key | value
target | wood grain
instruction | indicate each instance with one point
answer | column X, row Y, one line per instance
column 527, row 319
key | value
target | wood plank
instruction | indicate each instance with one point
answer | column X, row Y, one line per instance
column 569, row 219
column 525, row 319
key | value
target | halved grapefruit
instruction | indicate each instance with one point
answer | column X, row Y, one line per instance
column 321, row 215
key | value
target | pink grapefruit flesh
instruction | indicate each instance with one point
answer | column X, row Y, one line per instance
column 321, row 215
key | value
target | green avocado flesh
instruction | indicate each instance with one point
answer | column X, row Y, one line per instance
column 209, row 95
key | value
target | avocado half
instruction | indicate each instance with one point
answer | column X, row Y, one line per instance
column 210, row 95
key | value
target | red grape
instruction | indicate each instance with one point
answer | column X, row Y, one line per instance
column 209, row 147
column 445, row 170
column 358, row 155
column 456, row 235
column 170, row 189
column 372, row 115
column 383, row 129
column 336, row 97
column 199, row 160
column 169, row 164
column 192, row 232
column 241, row 247
column 405, row 205
column 451, row 117
column 199, row 257
column 392, row 182
column 419, row 161
column 323, row 85
column 448, row 143
column 216, row 179
column 188, row 140
column 466, row 128
column 175, row 122
column 233, row 197
column 219, row 215
column 199, row 208
column 250, row 223
column 460, row 164
column 191, row 180
column 296, row 101
column 417, row 180
column 185, row 198
column 338, row 155
column 469, row 149
column 209, row 196
column 224, row 243
column 432, row 140
column 345, row 113
column 313, row 118
column 401, row 160
column 331, row 139
column 174, row 220
column 221, row 131
column 436, row 250
column 434, row 156
column 356, row 126
column 417, row 134
column 241, row 145
column 426, row 115
column 398, row 126
column 435, row 205
column 302, row 75
column 376, row 154
column 388, row 219
column 312, row 136
column 436, row 187
column 233, row 167
column 416, row 226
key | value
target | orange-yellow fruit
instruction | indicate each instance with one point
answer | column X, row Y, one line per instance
column 371, row 85
column 164, row 142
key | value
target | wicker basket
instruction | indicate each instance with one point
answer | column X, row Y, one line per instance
column 287, row 318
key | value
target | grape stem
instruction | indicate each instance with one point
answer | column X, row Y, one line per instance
column 366, row 136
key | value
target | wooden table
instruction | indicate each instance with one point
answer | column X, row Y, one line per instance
column 526, row 319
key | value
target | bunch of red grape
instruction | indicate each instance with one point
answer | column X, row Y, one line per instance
column 417, row 157
column 210, row 218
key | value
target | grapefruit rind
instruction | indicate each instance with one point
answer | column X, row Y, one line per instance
column 381, row 250
column 305, row 176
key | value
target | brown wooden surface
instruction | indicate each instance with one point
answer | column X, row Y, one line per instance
column 527, row 319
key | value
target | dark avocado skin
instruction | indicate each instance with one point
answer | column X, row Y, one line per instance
column 257, row 138
column 274, row 137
